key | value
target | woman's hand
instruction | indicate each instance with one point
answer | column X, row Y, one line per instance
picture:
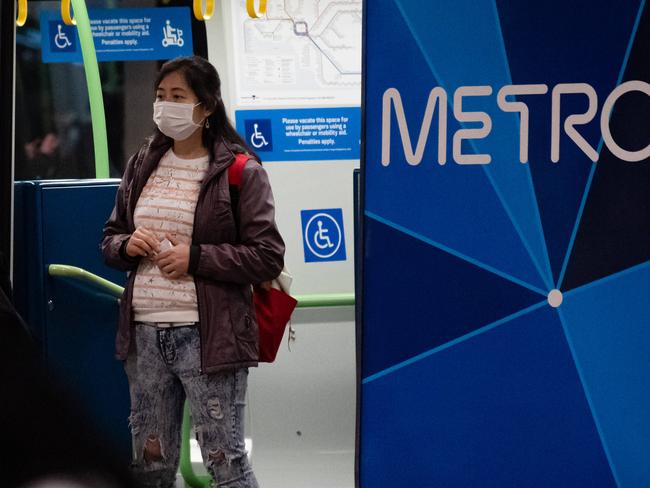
column 174, row 262
column 142, row 242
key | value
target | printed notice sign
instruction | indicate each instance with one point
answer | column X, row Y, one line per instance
column 120, row 35
column 302, row 134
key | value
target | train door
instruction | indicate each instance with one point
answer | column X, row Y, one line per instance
column 59, row 204
column 316, row 46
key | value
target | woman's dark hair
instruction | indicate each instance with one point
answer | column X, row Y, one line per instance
column 204, row 80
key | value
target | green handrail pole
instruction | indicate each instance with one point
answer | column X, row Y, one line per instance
column 94, row 83
column 304, row 301
column 80, row 274
column 325, row 300
column 187, row 472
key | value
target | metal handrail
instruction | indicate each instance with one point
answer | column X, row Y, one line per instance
column 304, row 301
column 93, row 81
column 65, row 271
column 190, row 477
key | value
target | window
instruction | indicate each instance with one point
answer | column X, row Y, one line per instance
column 53, row 124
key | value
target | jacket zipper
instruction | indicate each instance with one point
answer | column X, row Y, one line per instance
column 198, row 305
column 196, row 287
column 202, row 191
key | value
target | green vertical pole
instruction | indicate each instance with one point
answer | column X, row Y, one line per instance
column 191, row 479
column 94, row 88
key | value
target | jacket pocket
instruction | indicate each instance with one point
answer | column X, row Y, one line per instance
column 216, row 222
column 244, row 324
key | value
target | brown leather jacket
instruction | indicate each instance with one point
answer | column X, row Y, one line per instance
column 223, row 266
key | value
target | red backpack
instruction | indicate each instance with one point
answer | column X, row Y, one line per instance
column 273, row 307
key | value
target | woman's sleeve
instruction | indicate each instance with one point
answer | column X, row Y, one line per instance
column 260, row 255
column 116, row 232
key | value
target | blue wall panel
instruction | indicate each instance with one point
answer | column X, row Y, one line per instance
column 469, row 374
column 61, row 223
column 502, row 408
column 611, row 343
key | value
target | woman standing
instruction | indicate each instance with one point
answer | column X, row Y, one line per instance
column 187, row 326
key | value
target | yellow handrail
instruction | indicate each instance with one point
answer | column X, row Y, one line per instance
column 250, row 7
column 66, row 13
column 22, row 13
column 198, row 9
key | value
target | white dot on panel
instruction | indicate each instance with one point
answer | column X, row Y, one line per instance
column 555, row 298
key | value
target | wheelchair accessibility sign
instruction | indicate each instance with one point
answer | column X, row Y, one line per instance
column 323, row 235
column 63, row 38
column 259, row 135
column 302, row 134
column 121, row 34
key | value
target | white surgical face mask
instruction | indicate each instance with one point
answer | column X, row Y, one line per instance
column 175, row 119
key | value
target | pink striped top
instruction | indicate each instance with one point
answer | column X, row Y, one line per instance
column 166, row 206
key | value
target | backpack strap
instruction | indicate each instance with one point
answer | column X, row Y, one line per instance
column 235, row 171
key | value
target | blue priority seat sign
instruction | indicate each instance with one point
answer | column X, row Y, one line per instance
column 323, row 235
column 302, row 134
column 126, row 34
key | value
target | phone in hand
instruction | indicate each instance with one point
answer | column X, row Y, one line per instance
column 165, row 244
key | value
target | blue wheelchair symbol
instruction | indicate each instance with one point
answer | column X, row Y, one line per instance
column 259, row 135
column 323, row 236
column 62, row 37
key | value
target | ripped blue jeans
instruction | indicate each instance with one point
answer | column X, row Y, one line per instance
column 163, row 370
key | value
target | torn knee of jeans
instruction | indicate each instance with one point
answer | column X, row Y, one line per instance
column 134, row 423
column 218, row 457
column 214, row 409
column 152, row 450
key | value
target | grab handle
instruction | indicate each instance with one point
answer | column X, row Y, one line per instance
column 250, row 7
column 198, row 9
column 22, row 13
column 66, row 13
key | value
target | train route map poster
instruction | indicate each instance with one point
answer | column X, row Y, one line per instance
column 299, row 53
